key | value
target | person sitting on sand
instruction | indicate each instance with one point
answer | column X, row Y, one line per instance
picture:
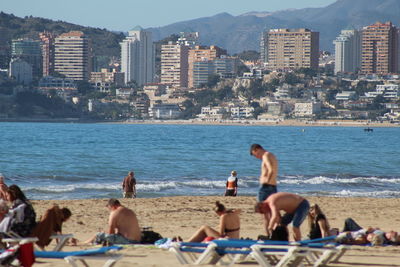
column 229, row 225
column 232, row 185
column 295, row 206
column 23, row 215
column 50, row 223
column 123, row 226
column 318, row 223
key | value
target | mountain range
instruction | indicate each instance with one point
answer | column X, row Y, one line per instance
column 239, row 33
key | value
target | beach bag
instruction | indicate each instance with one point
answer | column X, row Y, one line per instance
column 150, row 237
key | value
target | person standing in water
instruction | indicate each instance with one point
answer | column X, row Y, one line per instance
column 232, row 185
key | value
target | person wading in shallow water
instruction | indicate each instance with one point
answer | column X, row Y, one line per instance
column 232, row 185
column 129, row 185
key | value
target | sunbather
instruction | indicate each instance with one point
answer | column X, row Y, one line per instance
column 319, row 226
column 123, row 226
column 50, row 223
column 23, row 215
column 356, row 235
column 229, row 225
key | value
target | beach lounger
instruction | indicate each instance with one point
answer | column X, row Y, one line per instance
column 72, row 257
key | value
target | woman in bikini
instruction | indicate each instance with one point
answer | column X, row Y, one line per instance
column 318, row 223
column 229, row 225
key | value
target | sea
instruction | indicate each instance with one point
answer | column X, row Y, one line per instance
column 81, row 161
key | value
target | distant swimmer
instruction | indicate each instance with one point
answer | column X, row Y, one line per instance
column 129, row 186
column 232, row 185
column 269, row 171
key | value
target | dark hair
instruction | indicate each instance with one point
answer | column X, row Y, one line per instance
column 280, row 233
column 113, row 202
column 219, row 207
column 16, row 193
column 255, row 147
column 66, row 213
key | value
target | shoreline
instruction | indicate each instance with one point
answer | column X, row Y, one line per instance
column 288, row 123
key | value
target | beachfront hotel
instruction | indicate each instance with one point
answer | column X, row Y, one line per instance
column 72, row 55
column 347, row 51
column 47, row 45
column 379, row 49
column 292, row 49
column 29, row 51
column 137, row 56
column 202, row 54
column 174, row 65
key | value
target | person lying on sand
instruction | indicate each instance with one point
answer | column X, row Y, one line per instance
column 123, row 226
column 229, row 225
column 354, row 234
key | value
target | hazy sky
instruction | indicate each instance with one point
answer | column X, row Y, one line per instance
column 125, row 14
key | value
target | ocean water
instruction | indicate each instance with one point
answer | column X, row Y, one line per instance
column 73, row 161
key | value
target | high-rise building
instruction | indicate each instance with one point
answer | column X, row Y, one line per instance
column 72, row 55
column 137, row 56
column 292, row 49
column 29, row 51
column 264, row 47
column 174, row 64
column 202, row 53
column 379, row 52
column 47, row 42
column 347, row 51
column 225, row 67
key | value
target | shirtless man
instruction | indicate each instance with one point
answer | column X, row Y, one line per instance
column 123, row 226
column 295, row 206
column 129, row 186
column 269, row 171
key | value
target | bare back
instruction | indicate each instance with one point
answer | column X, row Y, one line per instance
column 269, row 169
column 284, row 201
column 124, row 222
column 230, row 224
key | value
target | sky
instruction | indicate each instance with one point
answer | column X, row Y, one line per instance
column 123, row 15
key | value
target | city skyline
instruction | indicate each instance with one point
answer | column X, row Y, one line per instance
column 109, row 16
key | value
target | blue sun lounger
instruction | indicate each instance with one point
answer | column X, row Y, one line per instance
column 279, row 253
column 82, row 255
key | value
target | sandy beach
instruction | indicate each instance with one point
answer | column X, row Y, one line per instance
column 173, row 216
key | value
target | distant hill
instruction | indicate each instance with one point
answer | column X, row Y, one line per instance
column 239, row 33
column 104, row 42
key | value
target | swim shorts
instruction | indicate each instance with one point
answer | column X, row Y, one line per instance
column 113, row 239
column 298, row 216
column 265, row 191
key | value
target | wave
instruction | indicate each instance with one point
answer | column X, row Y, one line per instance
column 329, row 180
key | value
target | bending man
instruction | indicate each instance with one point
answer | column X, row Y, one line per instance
column 295, row 206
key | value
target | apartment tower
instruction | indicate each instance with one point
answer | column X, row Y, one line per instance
column 137, row 56
column 202, row 53
column 292, row 49
column 379, row 49
column 47, row 43
column 174, row 64
column 347, row 51
column 72, row 55
column 29, row 51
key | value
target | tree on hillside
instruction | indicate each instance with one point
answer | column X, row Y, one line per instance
column 249, row 55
